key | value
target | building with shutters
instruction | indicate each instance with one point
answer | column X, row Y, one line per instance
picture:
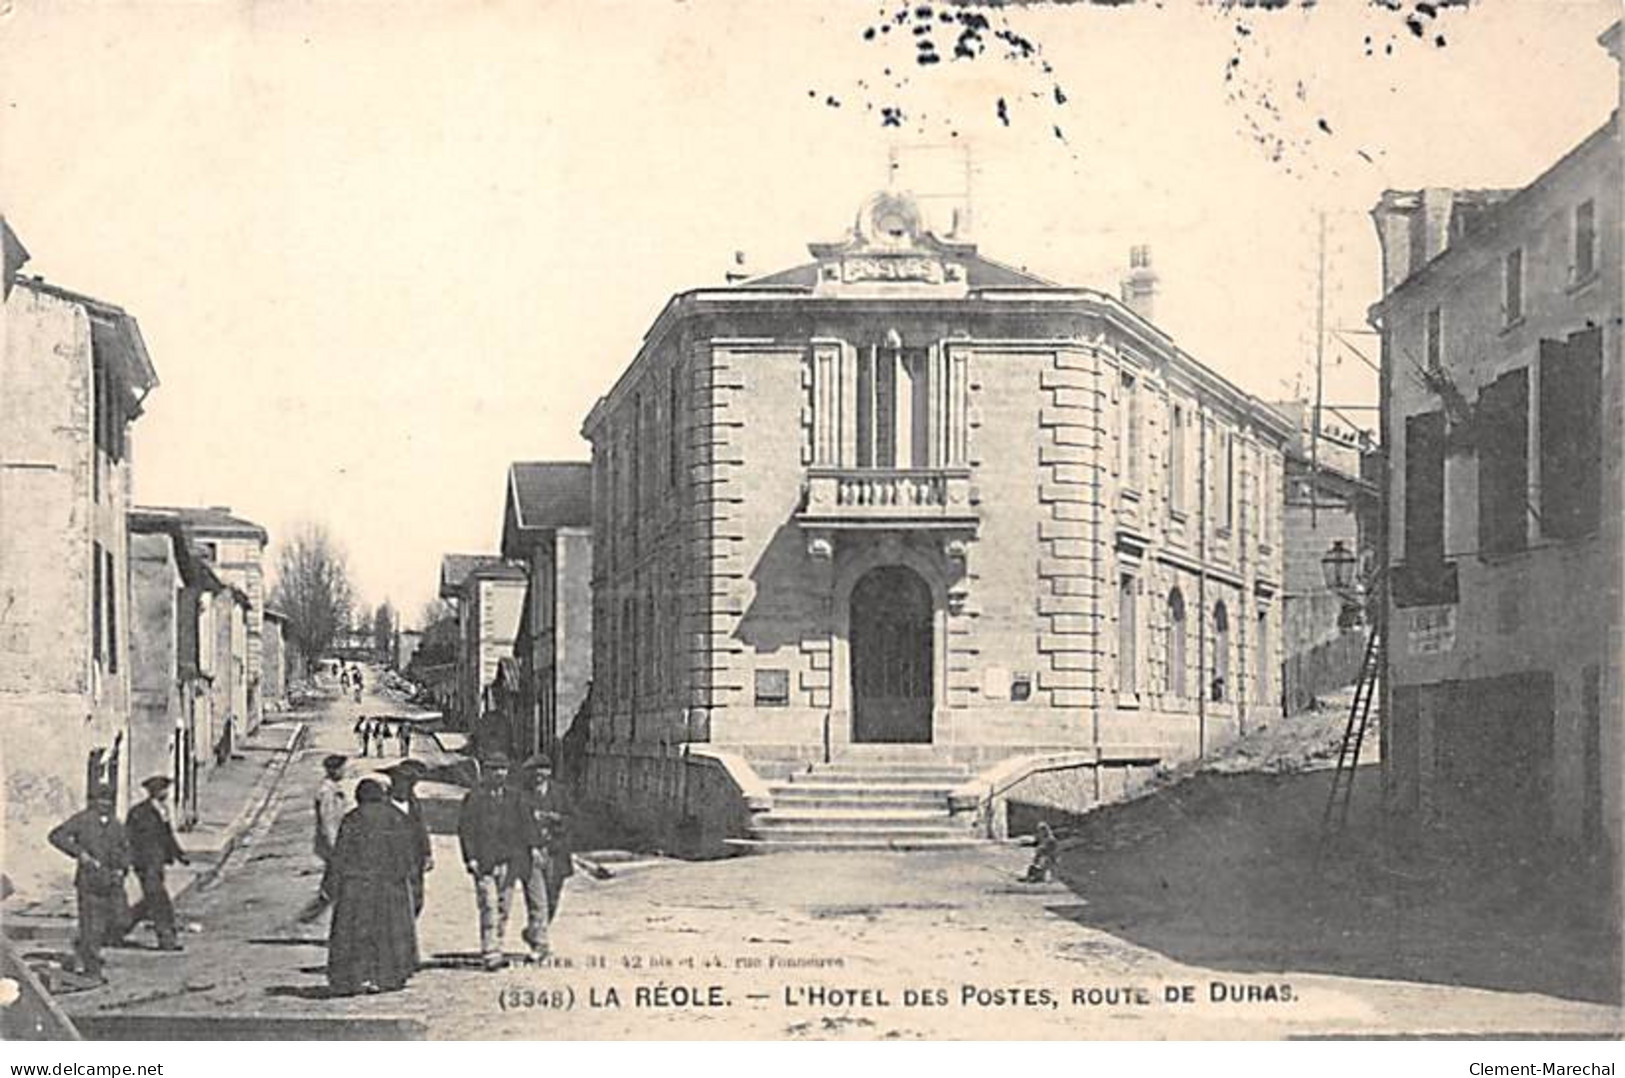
column 904, row 503
column 1500, row 327
column 74, row 372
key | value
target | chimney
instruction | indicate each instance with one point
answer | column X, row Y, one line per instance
column 1437, row 203
column 1139, row 288
column 1395, row 215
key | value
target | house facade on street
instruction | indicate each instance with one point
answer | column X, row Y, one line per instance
column 1502, row 395
column 274, row 665
column 1328, row 498
column 74, row 372
column 547, row 528
column 407, row 642
column 905, row 502
column 235, row 550
column 490, row 597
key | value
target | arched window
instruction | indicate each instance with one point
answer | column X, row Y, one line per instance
column 1174, row 646
column 1263, row 655
column 1128, row 632
column 1221, row 653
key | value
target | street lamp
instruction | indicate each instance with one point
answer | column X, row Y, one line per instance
column 1337, row 565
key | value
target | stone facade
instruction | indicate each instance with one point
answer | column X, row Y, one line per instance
column 547, row 528
column 235, row 551
column 1502, row 395
column 273, row 662
column 490, row 597
column 905, row 501
column 75, row 371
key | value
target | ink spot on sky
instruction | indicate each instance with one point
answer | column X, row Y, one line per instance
column 1002, row 110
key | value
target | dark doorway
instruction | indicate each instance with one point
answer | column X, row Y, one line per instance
column 1492, row 760
column 892, row 662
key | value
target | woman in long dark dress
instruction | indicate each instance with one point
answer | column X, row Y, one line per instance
column 372, row 945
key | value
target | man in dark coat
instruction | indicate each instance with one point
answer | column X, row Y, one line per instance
column 403, row 778
column 152, row 849
column 95, row 838
column 372, row 944
column 491, row 845
column 546, row 863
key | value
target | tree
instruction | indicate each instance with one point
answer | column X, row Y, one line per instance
column 313, row 589
column 383, row 632
column 435, row 611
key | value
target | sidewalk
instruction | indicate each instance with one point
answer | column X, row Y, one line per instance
column 232, row 799
column 228, row 804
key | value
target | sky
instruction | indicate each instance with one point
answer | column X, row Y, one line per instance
column 379, row 251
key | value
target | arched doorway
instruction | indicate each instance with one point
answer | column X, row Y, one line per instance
column 891, row 654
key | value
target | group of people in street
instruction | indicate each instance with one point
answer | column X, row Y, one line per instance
column 106, row 852
column 512, row 829
column 373, row 733
column 350, row 681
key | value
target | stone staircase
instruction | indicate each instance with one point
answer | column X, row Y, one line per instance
column 864, row 805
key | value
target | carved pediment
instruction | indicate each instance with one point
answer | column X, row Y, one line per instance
column 889, row 245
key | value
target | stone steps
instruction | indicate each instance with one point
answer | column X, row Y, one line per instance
column 876, row 804
column 901, row 844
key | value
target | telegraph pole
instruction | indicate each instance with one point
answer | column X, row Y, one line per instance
column 1320, row 370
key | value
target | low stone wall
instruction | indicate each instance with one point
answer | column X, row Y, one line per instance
column 1013, row 795
column 688, row 803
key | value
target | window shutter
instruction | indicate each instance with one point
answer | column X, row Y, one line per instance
column 1502, row 440
column 1424, row 488
column 1570, row 434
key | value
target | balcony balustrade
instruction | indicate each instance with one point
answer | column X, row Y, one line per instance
column 875, row 497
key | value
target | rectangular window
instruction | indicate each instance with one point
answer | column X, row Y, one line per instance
column 97, row 597
column 1585, row 240
column 1176, row 460
column 1128, row 661
column 1424, row 488
column 1129, row 432
column 1224, row 485
column 894, row 407
column 674, row 419
column 1512, row 286
column 109, row 578
column 98, row 422
column 1502, row 436
column 1433, row 345
column 772, row 688
column 1571, row 435
column 885, row 412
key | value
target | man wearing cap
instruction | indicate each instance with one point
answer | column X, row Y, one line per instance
column 329, row 804
column 487, row 832
column 96, row 840
column 152, row 849
column 546, row 863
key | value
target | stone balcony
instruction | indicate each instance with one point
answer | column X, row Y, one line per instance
column 888, row 498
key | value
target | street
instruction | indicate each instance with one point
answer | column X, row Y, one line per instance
column 846, row 945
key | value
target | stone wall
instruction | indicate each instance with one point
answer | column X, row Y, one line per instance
column 60, row 498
